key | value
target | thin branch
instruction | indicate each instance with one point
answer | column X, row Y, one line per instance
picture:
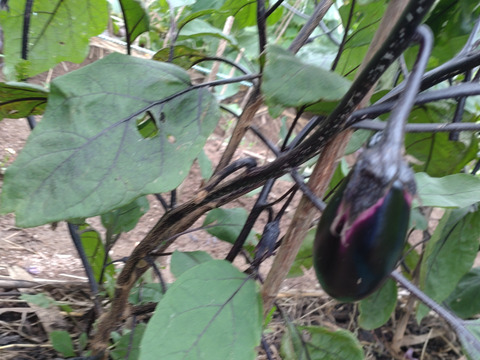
column 262, row 28
column 225, row 60
column 77, row 241
column 26, row 28
column 461, row 90
column 455, row 322
column 273, row 8
column 345, row 35
column 376, row 125
column 311, row 24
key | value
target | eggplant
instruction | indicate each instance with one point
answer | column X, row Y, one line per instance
column 362, row 231
column 353, row 259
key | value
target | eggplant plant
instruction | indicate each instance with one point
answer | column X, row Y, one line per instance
column 126, row 127
column 361, row 234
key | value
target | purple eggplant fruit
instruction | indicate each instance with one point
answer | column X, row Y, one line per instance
column 356, row 248
column 361, row 234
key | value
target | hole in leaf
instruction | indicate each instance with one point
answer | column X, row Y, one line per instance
column 146, row 126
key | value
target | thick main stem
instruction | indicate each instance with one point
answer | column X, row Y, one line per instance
column 322, row 175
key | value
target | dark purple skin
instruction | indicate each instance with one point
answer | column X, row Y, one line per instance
column 356, row 248
column 362, row 232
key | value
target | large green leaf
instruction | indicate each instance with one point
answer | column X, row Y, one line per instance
column 464, row 299
column 284, row 72
column 449, row 254
column 213, row 311
column 183, row 261
column 18, row 100
column 59, row 30
column 452, row 191
column 135, row 18
column 375, row 310
column 320, row 344
column 87, row 156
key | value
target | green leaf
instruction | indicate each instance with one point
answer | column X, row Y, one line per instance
column 95, row 251
column 40, row 299
column 304, row 258
column 183, row 261
column 230, row 223
column 195, row 15
column 471, row 346
column 129, row 344
column 135, row 18
column 200, row 28
column 183, row 56
column 87, row 156
column 125, row 218
column 213, row 311
column 245, row 12
column 359, row 137
column 438, row 155
column 19, row 100
column 145, row 293
column 320, row 344
column 59, row 30
column 452, row 191
column 62, row 342
column 364, row 24
column 463, row 301
column 284, row 72
column 376, row 309
column 205, row 164
column 449, row 254
column 82, row 341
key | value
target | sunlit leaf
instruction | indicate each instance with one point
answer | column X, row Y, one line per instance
column 87, row 156
column 284, row 72
column 59, row 30
column 135, row 18
column 454, row 191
